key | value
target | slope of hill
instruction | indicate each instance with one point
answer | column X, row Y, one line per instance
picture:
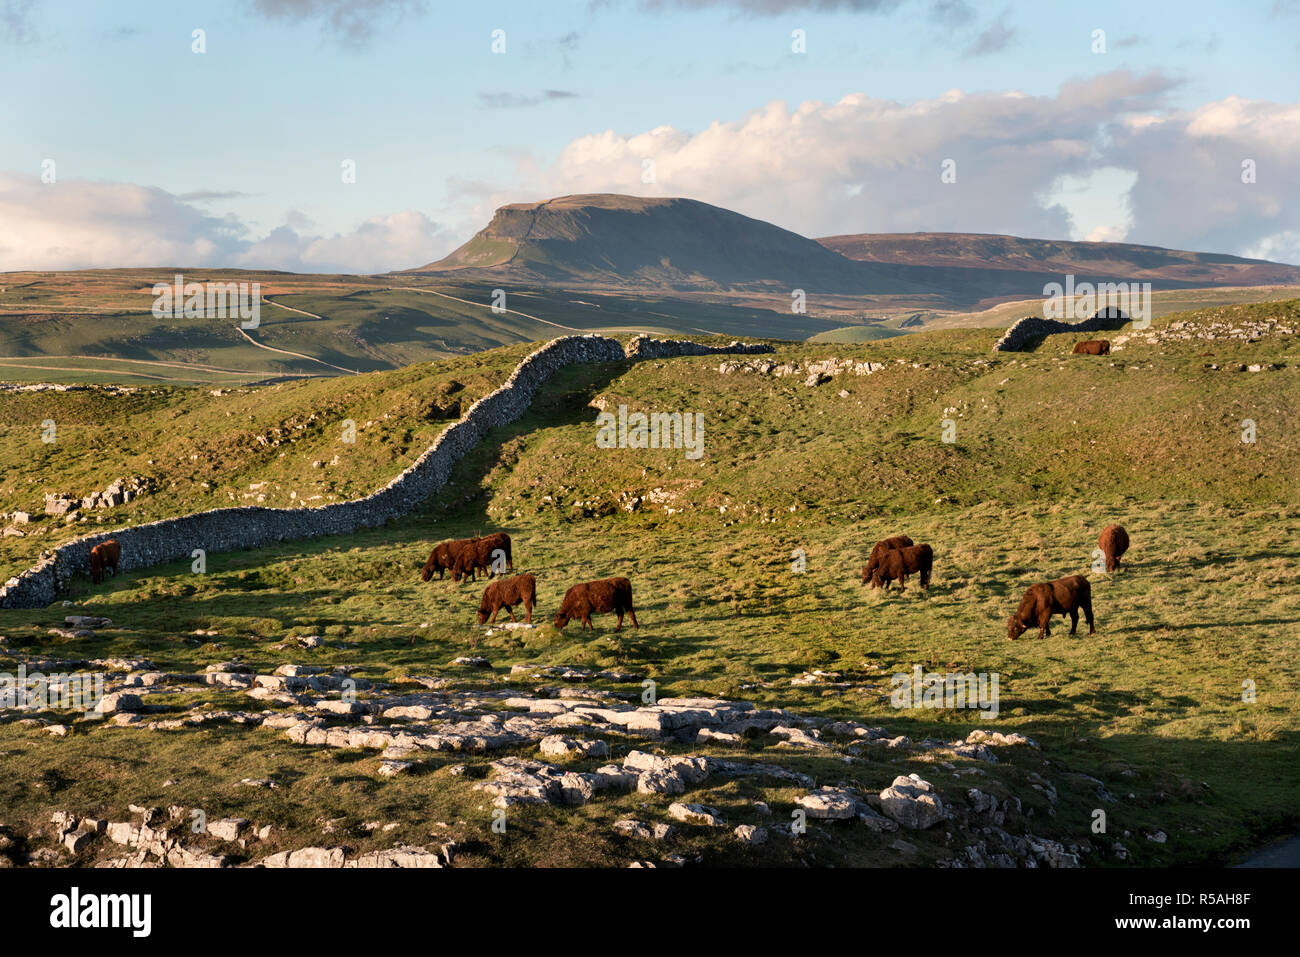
column 96, row 325
column 614, row 240
column 1148, row 711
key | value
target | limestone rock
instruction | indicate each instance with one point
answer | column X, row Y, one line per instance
column 912, row 802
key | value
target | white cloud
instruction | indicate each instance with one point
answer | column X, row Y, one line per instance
column 863, row 164
column 1152, row 174
column 84, row 225
column 381, row 243
column 1104, row 158
column 1190, row 188
column 1107, row 234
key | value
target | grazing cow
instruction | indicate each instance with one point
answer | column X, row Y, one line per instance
column 1092, row 347
column 608, row 594
column 882, row 546
column 444, row 556
column 1114, row 543
column 919, row 559
column 478, row 555
column 102, row 556
column 469, row 561
column 1065, row 596
column 898, row 563
column 890, row 567
column 491, row 543
column 506, row 593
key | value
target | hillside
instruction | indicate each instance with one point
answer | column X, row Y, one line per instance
column 1048, row 448
column 598, row 263
column 97, row 326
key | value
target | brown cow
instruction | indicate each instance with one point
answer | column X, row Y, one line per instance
column 444, row 556
column 897, row 564
column 608, row 594
column 103, row 556
column 478, row 555
column 1092, row 347
column 506, row 593
column 491, row 543
column 469, row 561
column 1065, row 596
column 882, row 546
column 890, row 567
column 1114, row 543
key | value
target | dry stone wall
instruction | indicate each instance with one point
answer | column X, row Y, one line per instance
column 643, row 347
column 230, row 529
column 1032, row 328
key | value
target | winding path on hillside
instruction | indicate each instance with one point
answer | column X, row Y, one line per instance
column 484, row 305
column 298, row 355
column 13, row 362
column 548, row 322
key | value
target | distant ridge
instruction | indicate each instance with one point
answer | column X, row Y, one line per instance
column 632, row 243
column 1012, row 253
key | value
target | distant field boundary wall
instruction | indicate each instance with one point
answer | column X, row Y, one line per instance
column 231, row 529
column 1032, row 328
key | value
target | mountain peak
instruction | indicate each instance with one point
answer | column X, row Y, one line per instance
column 609, row 239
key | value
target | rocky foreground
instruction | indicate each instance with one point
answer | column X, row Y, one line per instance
column 549, row 737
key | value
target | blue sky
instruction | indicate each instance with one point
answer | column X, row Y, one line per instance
column 247, row 138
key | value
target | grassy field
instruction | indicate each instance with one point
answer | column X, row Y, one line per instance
column 97, row 326
column 1049, row 448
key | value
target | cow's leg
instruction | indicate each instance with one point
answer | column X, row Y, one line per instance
column 528, row 608
column 1087, row 611
column 1045, row 625
column 495, row 611
column 1074, row 619
column 511, row 612
column 619, row 626
column 631, row 612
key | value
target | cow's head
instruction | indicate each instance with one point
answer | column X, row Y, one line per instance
column 1015, row 627
column 561, row 619
column 866, row 574
column 427, row 571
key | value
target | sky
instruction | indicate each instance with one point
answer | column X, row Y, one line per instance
column 128, row 140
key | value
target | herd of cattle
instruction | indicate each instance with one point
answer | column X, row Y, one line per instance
column 892, row 560
column 491, row 554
